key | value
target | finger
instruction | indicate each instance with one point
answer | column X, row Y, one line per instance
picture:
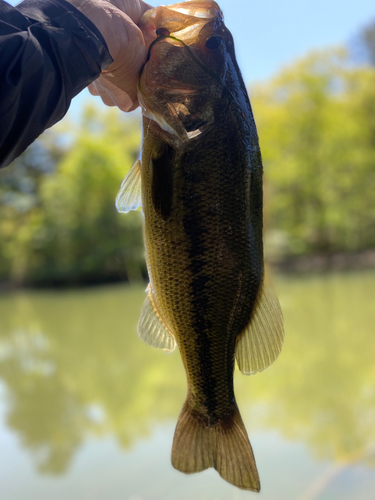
column 112, row 95
column 117, row 85
column 101, row 91
column 133, row 8
column 92, row 89
column 124, row 71
column 145, row 6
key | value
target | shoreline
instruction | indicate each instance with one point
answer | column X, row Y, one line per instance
column 292, row 265
column 318, row 263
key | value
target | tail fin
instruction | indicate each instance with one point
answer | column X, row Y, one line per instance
column 224, row 446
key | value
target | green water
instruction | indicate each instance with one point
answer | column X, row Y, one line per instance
column 87, row 410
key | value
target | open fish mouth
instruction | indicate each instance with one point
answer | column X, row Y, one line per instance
column 183, row 20
column 183, row 79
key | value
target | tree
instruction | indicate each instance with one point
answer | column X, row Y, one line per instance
column 71, row 232
column 316, row 122
column 363, row 46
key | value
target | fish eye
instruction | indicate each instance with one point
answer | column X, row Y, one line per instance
column 214, row 42
column 162, row 32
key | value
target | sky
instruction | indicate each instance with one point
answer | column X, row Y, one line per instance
column 271, row 34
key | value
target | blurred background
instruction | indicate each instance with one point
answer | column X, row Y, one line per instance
column 87, row 410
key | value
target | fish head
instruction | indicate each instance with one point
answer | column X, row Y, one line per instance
column 183, row 80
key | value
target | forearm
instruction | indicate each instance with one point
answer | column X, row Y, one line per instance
column 49, row 52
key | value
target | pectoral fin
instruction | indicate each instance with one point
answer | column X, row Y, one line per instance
column 151, row 327
column 261, row 343
column 130, row 195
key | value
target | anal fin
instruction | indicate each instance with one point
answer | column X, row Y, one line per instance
column 151, row 327
column 261, row 342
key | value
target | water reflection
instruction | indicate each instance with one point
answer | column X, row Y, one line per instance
column 322, row 389
column 74, row 367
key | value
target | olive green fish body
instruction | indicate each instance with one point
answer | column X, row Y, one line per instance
column 201, row 195
column 205, row 257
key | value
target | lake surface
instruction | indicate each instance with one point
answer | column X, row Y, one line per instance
column 87, row 410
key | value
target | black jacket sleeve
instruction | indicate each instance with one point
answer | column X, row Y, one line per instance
column 49, row 52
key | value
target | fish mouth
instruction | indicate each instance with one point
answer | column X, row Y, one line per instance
column 182, row 19
column 164, row 36
column 201, row 9
column 182, row 82
column 182, row 115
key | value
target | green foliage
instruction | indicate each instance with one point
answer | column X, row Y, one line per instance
column 363, row 45
column 65, row 228
column 316, row 123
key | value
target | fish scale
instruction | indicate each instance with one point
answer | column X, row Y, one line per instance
column 201, row 195
column 200, row 303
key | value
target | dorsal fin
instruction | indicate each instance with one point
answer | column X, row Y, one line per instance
column 151, row 327
column 261, row 342
column 130, row 194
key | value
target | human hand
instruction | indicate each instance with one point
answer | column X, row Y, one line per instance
column 117, row 22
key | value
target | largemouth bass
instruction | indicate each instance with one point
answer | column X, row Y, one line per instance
column 199, row 183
